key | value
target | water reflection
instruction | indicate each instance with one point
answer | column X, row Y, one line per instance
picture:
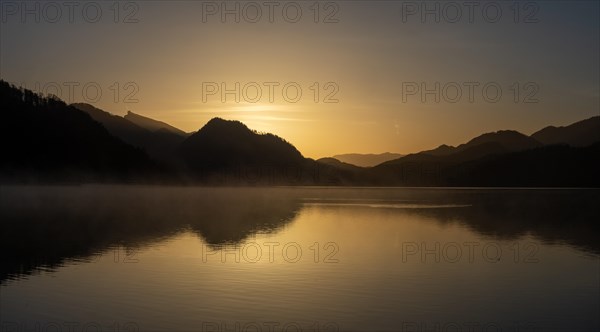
column 553, row 216
column 43, row 227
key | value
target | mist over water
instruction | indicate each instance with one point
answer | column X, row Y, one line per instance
column 311, row 259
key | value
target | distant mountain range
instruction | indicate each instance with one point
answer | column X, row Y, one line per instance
column 44, row 139
column 366, row 160
column 504, row 158
column 582, row 133
column 579, row 134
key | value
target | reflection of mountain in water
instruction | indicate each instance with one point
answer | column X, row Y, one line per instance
column 553, row 216
column 568, row 216
column 44, row 227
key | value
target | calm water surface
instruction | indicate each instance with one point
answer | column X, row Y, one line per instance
column 130, row 258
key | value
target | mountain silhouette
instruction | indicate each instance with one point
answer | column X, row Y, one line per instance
column 502, row 158
column 340, row 164
column 224, row 151
column 160, row 143
column 441, row 150
column 42, row 138
column 153, row 125
column 226, row 144
column 499, row 142
column 366, row 160
column 508, row 140
column 547, row 166
column 582, row 133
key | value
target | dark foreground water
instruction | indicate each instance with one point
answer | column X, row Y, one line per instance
column 129, row 258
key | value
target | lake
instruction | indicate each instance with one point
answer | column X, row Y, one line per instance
column 150, row 258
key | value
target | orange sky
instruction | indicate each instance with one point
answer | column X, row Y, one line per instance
column 366, row 62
